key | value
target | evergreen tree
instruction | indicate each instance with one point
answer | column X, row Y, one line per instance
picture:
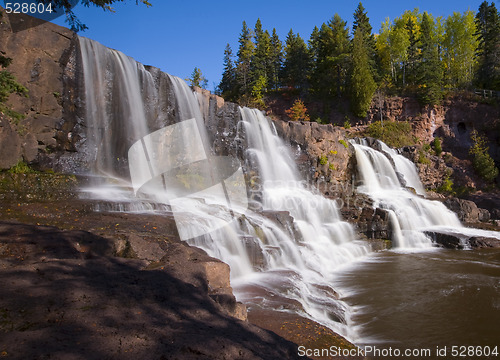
column 362, row 22
column 362, row 85
column 482, row 161
column 276, row 61
column 261, row 59
column 197, row 79
column 297, row 62
column 330, row 48
column 243, row 64
column 410, row 71
column 228, row 87
column 488, row 31
column 429, row 72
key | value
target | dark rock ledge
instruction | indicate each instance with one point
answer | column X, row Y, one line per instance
column 453, row 240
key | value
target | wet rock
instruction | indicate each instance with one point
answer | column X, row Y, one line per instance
column 449, row 241
column 460, row 241
column 484, row 242
column 371, row 222
column 466, row 210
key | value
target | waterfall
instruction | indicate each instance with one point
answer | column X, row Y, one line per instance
column 410, row 214
column 284, row 255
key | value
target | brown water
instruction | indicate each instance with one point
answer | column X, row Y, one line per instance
column 427, row 300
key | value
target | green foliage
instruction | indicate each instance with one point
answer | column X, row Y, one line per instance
column 296, row 63
column 422, row 157
column 323, row 160
column 437, row 146
column 482, row 161
column 429, row 72
column 488, row 51
column 197, row 79
column 347, row 122
column 329, row 47
column 362, row 84
column 447, row 186
column 393, row 133
column 258, row 91
column 344, row 143
column 275, row 61
column 415, row 54
column 21, row 168
column 8, row 86
column 243, row 64
column 227, row 87
column 459, row 45
column 331, row 167
column 298, row 111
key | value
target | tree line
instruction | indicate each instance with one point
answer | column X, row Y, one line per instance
column 416, row 53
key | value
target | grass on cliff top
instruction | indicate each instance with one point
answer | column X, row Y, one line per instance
column 394, row 133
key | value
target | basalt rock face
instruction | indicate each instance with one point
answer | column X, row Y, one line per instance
column 467, row 211
column 42, row 62
column 322, row 152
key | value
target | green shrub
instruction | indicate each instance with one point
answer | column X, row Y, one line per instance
column 393, row 133
column 343, row 142
column 446, row 187
column 331, row 167
column 482, row 161
column 437, row 146
column 21, row 168
column 323, row 160
column 347, row 122
column 422, row 157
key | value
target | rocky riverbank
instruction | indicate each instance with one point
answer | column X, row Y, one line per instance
column 82, row 284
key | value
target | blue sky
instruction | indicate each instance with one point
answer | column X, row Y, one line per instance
column 177, row 36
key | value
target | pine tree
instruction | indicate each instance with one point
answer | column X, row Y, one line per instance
column 245, row 52
column 488, row 31
column 482, row 161
column 329, row 49
column 228, row 87
column 362, row 22
column 297, row 62
column 362, row 85
column 410, row 71
column 261, row 59
column 429, row 71
column 276, row 57
column 197, row 79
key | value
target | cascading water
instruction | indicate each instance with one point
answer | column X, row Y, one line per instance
column 172, row 168
column 410, row 214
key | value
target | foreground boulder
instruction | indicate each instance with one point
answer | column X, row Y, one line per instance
column 64, row 296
